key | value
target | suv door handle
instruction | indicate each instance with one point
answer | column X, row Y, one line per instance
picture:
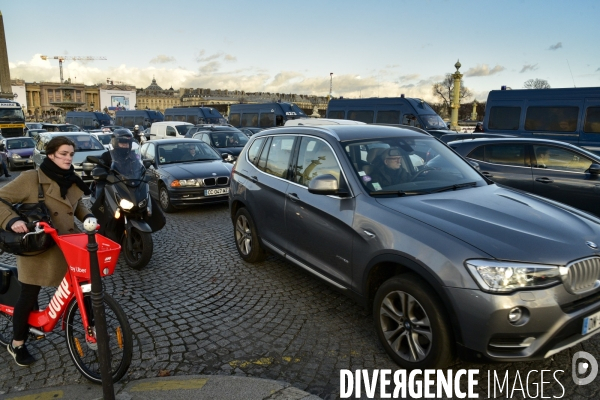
column 254, row 179
column 544, row 180
column 293, row 197
column 486, row 174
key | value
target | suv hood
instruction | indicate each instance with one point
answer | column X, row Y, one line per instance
column 505, row 224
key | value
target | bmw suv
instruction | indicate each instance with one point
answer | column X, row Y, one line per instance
column 450, row 263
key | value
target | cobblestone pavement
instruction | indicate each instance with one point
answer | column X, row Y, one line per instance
column 198, row 309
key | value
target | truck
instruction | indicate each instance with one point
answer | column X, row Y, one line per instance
column 389, row 111
column 12, row 119
column 88, row 120
column 570, row 115
column 143, row 118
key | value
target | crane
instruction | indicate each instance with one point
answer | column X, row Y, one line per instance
column 62, row 58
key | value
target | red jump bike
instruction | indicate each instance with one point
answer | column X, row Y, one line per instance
column 72, row 302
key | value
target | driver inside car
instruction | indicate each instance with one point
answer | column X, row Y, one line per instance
column 388, row 169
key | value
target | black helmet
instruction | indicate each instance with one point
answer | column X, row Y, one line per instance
column 121, row 137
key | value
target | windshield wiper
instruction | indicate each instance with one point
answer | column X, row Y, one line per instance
column 398, row 193
column 454, row 187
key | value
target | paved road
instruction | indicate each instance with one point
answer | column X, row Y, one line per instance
column 198, row 309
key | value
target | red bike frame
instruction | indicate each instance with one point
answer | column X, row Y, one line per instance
column 75, row 283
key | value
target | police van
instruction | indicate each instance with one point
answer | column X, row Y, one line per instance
column 195, row 115
column 88, row 120
column 143, row 118
column 390, row 111
column 570, row 115
column 265, row 115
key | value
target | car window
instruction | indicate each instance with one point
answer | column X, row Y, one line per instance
column 315, row 158
column 559, row 119
column 262, row 160
column 506, row 154
column 388, row 117
column 556, row 158
column 278, row 159
column 254, row 150
column 592, row 120
column 26, row 143
column 504, row 118
column 150, row 152
column 267, row 119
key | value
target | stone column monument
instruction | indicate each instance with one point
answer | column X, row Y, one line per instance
column 5, row 86
column 455, row 105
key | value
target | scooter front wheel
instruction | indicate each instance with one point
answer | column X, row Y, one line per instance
column 138, row 253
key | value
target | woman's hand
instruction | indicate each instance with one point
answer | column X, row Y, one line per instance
column 19, row 227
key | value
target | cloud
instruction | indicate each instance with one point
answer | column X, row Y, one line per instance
column 229, row 57
column 555, row 46
column 528, row 67
column 210, row 75
column 162, row 59
column 484, row 70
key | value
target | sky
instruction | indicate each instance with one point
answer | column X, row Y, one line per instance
column 374, row 49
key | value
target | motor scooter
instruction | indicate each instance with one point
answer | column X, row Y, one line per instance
column 122, row 204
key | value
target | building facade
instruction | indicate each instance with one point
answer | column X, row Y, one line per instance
column 156, row 98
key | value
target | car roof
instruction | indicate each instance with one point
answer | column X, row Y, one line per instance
column 172, row 141
column 172, row 123
column 348, row 132
column 482, row 141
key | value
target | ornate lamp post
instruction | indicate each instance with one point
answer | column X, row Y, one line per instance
column 455, row 97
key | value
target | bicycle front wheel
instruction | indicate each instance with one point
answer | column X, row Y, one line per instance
column 85, row 354
column 6, row 329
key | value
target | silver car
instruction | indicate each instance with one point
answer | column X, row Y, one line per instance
column 85, row 145
column 449, row 262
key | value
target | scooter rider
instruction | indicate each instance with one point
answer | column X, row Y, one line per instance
column 122, row 144
column 137, row 134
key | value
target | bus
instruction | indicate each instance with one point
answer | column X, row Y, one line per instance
column 88, row 120
column 195, row 115
column 12, row 119
column 144, row 118
column 391, row 111
column 265, row 115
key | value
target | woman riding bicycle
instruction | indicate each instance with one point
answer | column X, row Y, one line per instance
column 63, row 190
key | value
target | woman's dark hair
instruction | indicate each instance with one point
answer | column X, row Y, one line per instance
column 55, row 143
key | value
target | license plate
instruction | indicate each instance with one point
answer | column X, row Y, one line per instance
column 215, row 192
column 591, row 323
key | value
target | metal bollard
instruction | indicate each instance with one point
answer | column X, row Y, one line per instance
column 100, row 318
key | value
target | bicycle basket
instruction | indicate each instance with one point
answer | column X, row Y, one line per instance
column 74, row 248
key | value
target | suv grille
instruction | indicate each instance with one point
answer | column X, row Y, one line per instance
column 583, row 275
column 221, row 180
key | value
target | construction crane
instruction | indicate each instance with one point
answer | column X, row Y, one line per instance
column 62, row 58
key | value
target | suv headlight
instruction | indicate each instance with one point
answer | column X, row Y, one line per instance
column 505, row 276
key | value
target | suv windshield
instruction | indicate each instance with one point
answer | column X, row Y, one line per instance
column 415, row 165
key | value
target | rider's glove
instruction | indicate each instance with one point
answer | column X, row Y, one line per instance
column 90, row 224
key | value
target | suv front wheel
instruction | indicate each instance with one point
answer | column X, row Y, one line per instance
column 246, row 238
column 410, row 324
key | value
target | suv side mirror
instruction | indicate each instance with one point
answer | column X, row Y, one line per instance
column 594, row 169
column 324, row 184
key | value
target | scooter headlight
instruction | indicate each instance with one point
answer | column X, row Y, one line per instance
column 126, row 204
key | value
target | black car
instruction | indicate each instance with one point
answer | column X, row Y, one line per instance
column 224, row 141
column 185, row 172
column 450, row 137
column 250, row 130
column 209, row 128
column 549, row 168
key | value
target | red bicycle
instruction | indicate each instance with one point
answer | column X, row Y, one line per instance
column 72, row 301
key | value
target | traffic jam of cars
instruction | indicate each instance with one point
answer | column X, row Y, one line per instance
column 433, row 235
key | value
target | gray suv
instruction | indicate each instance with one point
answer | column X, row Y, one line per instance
column 449, row 262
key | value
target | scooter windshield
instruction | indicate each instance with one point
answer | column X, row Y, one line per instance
column 130, row 168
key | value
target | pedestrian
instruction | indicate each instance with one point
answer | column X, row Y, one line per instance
column 478, row 127
column 63, row 190
column 4, row 157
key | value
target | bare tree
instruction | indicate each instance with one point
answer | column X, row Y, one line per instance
column 443, row 91
column 536, row 84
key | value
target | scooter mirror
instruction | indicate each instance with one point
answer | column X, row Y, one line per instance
column 93, row 159
column 147, row 163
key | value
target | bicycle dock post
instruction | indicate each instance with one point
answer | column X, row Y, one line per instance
column 97, row 296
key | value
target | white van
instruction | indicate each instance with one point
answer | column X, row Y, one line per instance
column 169, row 130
